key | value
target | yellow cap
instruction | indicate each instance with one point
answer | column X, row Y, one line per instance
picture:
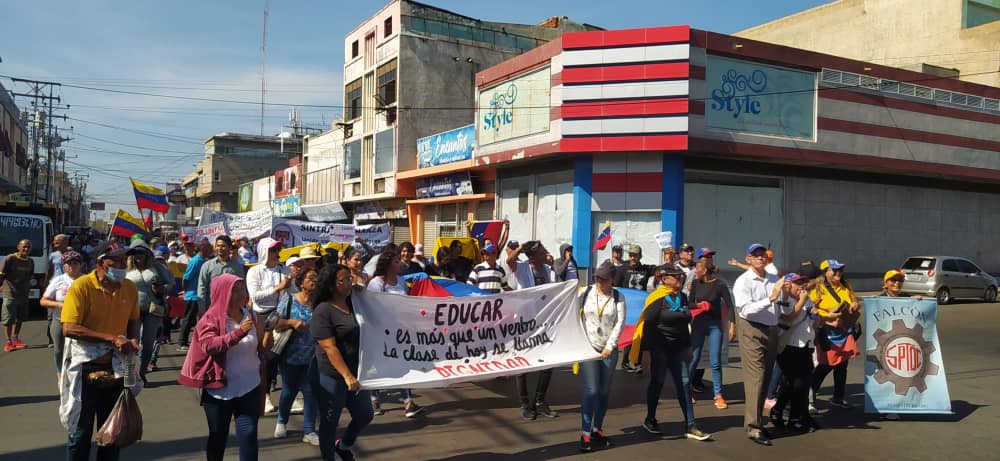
column 892, row 273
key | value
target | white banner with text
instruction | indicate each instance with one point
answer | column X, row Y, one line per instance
column 420, row 342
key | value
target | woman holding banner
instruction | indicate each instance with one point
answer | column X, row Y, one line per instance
column 334, row 370
column 711, row 308
column 838, row 309
column 387, row 280
column 602, row 310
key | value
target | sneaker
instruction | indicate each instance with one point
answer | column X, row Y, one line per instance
column 279, row 431
column 377, row 408
column 9, row 347
column 800, row 427
column 769, row 403
column 51, row 346
column 311, row 438
column 543, row 409
column 693, row 400
column 693, row 432
column 527, row 412
column 720, row 403
column 298, row 406
column 18, row 344
column 629, row 367
column 841, row 404
column 344, row 453
column 651, row 426
column 812, row 409
column 600, row 439
column 412, row 409
column 268, row 406
column 151, row 367
column 585, row 444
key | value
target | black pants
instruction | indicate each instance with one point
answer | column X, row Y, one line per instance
column 190, row 318
column 270, row 370
column 96, row 402
column 797, row 366
column 839, row 378
column 245, row 410
column 544, row 377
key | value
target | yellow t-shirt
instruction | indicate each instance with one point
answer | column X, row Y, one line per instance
column 90, row 305
column 825, row 303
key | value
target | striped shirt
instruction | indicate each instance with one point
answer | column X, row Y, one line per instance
column 491, row 279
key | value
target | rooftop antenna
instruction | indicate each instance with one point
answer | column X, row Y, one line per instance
column 263, row 63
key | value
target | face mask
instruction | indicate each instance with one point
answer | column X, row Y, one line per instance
column 115, row 275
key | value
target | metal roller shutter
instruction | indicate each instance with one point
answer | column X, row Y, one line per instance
column 484, row 210
column 430, row 229
column 400, row 229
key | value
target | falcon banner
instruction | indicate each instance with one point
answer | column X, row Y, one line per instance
column 904, row 367
column 419, row 342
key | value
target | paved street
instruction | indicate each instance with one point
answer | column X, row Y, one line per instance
column 480, row 422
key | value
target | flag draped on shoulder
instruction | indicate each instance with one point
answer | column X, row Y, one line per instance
column 149, row 197
column 604, row 237
column 126, row 225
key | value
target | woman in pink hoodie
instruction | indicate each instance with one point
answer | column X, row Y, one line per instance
column 224, row 362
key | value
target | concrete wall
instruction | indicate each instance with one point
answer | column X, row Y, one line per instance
column 898, row 33
column 874, row 227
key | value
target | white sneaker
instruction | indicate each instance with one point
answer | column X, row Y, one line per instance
column 268, row 406
column 812, row 409
column 297, row 406
column 311, row 438
column 279, row 431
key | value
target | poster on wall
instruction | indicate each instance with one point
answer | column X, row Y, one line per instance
column 420, row 342
column 246, row 197
column 445, row 185
column 251, row 224
column 515, row 108
column 287, row 206
column 756, row 98
column 448, row 147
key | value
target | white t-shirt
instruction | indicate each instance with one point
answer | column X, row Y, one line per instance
column 56, row 291
column 242, row 364
column 378, row 284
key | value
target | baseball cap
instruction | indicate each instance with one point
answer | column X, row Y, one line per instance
column 635, row 249
column 687, row 248
column 418, row 249
column 831, row 264
column 512, row 244
column 186, row 238
column 792, row 277
column 490, row 248
column 754, row 247
column 617, row 248
column 668, row 269
column 605, row 271
column 110, row 250
column 893, row 273
column 71, row 255
column 160, row 254
column 704, row 252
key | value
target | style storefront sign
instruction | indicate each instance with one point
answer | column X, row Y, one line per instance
column 515, row 108
column 756, row 98
column 448, row 147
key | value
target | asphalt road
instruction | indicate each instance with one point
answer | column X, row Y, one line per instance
column 480, row 421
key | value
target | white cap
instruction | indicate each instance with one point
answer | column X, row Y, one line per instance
column 292, row 260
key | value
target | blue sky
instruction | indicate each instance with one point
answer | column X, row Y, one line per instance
column 211, row 49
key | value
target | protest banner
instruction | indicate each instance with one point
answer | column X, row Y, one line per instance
column 251, row 224
column 375, row 235
column 664, row 239
column 904, row 367
column 294, row 232
column 418, row 342
column 207, row 231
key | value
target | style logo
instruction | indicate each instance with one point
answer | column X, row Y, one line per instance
column 737, row 93
column 501, row 112
column 903, row 357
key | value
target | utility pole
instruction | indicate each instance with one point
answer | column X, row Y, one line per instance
column 263, row 63
column 39, row 127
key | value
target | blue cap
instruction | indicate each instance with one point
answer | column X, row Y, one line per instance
column 831, row 264
column 489, row 248
column 704, row 252
column 754, row 247
column 793, row 277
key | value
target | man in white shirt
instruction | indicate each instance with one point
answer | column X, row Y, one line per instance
column 754, row 294
column 528, row 274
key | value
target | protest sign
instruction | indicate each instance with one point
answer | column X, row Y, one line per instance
column 207, row 231
column 295, row 232
column 664, row 239
column 251, row 224
column 418, row 342
column 375, row 235
column 904, row 368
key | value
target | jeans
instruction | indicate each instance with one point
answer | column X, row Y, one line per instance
column 245, row 410
column 333, row 397
column 295, row 378
column 596, row 376
column 58, row 342
column 776, row 379
column 190, row 318
column 711, row 329
column 677, row 363
column 541, row 390
column 839, row 379
column 95, row 402
column 797, row 364
column 151, row 325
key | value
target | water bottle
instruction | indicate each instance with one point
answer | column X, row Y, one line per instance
column 130, row 369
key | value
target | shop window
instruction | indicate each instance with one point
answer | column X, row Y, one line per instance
column 384, row 151
column 352, row 160
column 354, row 49
column 387, row 83
column 217, row 176
column 978, row 12
column 352, row 99
column 387, row 27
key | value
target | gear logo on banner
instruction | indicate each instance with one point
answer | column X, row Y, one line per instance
column 903, row 357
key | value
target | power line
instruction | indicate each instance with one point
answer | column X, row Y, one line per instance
column 137, row 147
column 154, row 134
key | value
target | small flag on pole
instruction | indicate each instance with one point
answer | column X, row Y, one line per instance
column 148, row 220
column 149, row 197
column 126, row 225
column 604, row 237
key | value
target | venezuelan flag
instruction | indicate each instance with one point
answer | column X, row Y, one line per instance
column 604, row 237
column 149, row 197
column 126, row 225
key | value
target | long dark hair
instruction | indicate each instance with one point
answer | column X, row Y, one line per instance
column 382, row 265
column 327, row 284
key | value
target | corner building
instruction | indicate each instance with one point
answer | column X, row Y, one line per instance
column 725, row 141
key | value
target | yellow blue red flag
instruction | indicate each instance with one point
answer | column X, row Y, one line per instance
column 126, row 225
column 149, row 197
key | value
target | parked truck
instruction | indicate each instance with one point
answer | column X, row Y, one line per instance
column 18, row 223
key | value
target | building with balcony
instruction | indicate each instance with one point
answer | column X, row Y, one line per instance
column 409, row 72
column 232, row 159
column 13, row 148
